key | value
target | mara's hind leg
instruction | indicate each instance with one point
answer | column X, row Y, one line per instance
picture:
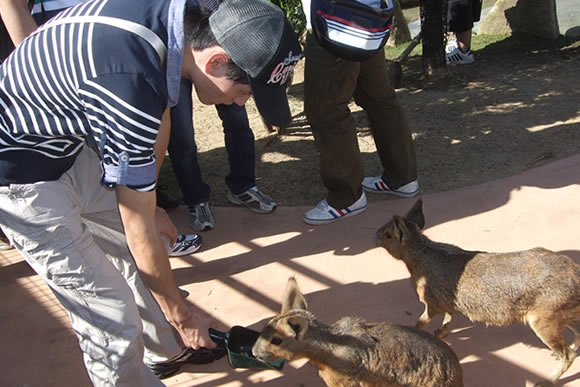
column 550, row 331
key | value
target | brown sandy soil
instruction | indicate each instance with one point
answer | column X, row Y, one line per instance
column 516, row 108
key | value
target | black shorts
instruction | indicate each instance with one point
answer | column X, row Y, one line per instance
column 461, row 14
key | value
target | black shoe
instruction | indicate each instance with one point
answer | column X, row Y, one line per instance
column 165, row 201
column 4, row 242
column 191, row 356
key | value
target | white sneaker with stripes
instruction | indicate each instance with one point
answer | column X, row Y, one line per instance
column 324, row 213
column 377, row 185
column 456, row 56
column 184, row 245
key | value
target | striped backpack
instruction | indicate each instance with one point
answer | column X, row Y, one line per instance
column 352, row 29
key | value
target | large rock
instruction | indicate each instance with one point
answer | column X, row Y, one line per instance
column 535, row 17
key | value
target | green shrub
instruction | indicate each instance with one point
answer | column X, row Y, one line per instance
column 294, row 13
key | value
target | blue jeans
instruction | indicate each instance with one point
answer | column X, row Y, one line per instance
column 239, row 140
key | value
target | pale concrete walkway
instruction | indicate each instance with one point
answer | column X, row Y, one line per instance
column 241, row 271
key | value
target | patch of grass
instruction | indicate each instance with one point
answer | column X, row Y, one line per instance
column 520, row 43
column 478, row 42
column 491, row 44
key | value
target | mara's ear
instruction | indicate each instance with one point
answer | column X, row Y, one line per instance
column 292, row 298
column 400, row 229
column 415, row 214
column 296, row 326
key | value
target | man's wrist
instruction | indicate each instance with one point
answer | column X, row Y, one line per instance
column 180, row 316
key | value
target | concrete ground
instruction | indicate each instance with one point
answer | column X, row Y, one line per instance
column 241, row 271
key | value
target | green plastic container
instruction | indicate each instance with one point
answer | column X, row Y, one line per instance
column 239, row 342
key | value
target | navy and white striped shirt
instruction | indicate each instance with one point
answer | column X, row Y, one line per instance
column 68, row 81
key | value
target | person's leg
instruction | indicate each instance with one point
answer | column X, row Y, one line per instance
column 241, row 180
column 329, row 84
column 183, row 150
column 100, row 216
column 183, row 155
column 464, row 40
column 388, row 122
column 162, row 197
column 460, row 16
column 239, row 140
column 164, row 353
column 45, row 222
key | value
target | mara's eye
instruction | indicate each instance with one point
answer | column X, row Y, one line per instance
column 276, row 341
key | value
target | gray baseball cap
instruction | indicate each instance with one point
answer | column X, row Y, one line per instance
column 260, row 40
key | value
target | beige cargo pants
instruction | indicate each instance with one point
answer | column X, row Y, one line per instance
column 70, row 232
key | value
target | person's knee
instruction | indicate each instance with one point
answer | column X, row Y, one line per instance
column 321, row 114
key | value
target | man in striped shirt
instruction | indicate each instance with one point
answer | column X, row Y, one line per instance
column 102, row 75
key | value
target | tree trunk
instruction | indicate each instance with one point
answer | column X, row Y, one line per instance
column 434, row 37
column 400, row 31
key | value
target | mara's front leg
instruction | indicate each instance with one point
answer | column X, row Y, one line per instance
column 445, row 326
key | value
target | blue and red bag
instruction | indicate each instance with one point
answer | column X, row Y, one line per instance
column 350, row 29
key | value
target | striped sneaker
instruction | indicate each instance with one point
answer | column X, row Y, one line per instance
column 254, row 199
column 200, row 217
column 324, row 213
column 456, row 56
column 376, row 184
column 184, row 245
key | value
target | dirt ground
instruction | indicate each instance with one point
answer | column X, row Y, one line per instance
column 516, row 108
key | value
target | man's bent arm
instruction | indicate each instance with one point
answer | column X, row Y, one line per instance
column 138, row 214
column 17, row 19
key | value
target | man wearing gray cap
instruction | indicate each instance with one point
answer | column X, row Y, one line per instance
column 85, row 104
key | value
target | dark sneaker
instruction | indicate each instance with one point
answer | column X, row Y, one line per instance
column 377, row 184
column 200, row 217
column 184, row 245
column 254, row 199
column 190, row 356
column 324, row 213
